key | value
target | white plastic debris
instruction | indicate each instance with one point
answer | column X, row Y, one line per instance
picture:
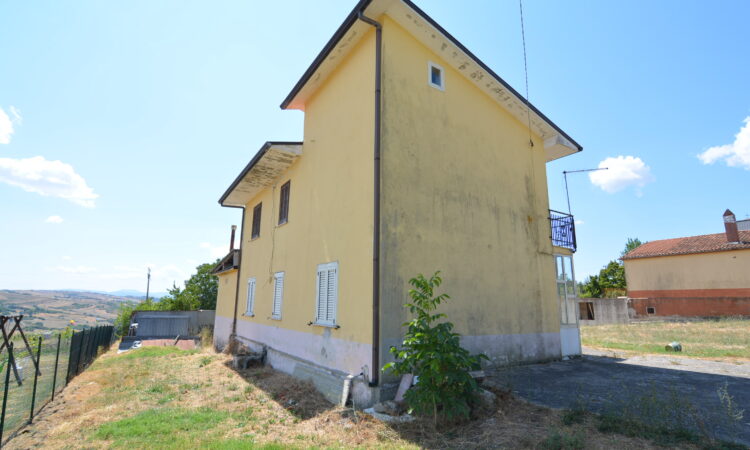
column 389, row 419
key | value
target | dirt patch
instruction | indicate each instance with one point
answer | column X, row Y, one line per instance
column 182, row 344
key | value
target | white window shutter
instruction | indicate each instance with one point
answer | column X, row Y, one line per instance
column 327, row 294
column 250, row 297
column 278, row 294
column 331, row 296
column 320, row 311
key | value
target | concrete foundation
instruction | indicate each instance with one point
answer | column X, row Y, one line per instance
column 295, row 355
column 603, row 311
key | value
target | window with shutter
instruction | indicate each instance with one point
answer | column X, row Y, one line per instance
column 256, row 221
column 327, row 294
column 284, row 203
column 250, row 297
column 278, row 294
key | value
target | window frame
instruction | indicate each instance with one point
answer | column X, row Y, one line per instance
column 430, row 66
column 277, row 277
column 284, row 202
column 256, row 221
column 250, row 300
column 327, row 267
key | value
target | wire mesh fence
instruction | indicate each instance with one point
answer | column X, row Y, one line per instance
column 26, row 390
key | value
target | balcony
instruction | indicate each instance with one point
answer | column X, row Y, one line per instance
column 563, row 230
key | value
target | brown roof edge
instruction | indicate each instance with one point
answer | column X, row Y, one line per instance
column 352, row 18
column 252, row 164
column 220, row 266
column 689, row 245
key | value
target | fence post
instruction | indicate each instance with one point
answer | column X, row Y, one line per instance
column 80, row 350
column 36, row 376
column 11, row 362
column 57, row 360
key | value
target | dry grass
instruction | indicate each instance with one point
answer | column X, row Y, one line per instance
column 161, row 397
column 725, row 338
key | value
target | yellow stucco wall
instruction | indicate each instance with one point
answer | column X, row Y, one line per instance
column 225, row 297
column 463, row 193
column 719, row 270
column 330, row 211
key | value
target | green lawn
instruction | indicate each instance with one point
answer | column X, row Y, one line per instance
column 723, row 338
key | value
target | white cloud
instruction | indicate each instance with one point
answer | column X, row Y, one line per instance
column 6, row 126
column 48, row 178
column 736, row 154
column 66, row 258
column 215, row 251
column 579, row 222
column 623, row 172
column 75, row 269
column 54, row 219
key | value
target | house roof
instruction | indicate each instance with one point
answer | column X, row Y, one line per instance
column 557, row 143
column 272, row 159
column 229, row 262
column 706, row 243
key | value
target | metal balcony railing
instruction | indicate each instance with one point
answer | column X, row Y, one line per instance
column 563, row 229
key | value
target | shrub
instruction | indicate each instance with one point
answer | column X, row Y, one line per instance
column 432, row 351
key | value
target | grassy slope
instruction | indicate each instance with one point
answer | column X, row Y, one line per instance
column 704, row 339
column 168, row 398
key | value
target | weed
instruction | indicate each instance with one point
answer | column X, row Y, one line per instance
column 189, row 387
column 667, row 418
column 733, row 414
column 206, row 360
column 573, row 416
column 156, row 389
column 558, row 440
column 166, row 399
column 249, row 389
column 207, row 336
column 232, row 387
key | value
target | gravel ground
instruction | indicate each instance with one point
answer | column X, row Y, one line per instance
column 603, row 381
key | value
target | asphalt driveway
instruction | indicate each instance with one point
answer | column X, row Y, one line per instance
column 601, row 383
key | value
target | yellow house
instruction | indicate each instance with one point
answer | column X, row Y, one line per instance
column 416, row 157
column 704, row 276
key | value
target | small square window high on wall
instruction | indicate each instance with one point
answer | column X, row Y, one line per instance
column 284, row 203
column 436, row 76
column 256, row 221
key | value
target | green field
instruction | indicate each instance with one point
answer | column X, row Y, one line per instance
column 723, row 338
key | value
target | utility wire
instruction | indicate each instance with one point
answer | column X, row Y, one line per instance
column 526, row 72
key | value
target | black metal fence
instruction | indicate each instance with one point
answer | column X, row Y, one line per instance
column 25, row 390
column 563, row 229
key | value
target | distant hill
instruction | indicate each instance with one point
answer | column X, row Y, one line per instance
column 53, row 310
column 122, row 293
column 136, row 294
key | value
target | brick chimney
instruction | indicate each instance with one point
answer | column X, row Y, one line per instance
column 730, row 225
column 234, row 229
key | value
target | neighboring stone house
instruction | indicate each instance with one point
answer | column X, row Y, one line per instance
column 416, row 157
column 706, row 275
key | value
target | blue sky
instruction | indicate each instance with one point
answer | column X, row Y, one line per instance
column 123, row 122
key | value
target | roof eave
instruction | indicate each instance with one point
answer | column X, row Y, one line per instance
column 249, row 167
column 351, row 19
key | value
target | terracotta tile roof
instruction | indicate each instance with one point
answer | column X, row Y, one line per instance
column 688, row 245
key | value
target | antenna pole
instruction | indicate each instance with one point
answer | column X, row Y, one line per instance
column 565, row 175
column 148, row 282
